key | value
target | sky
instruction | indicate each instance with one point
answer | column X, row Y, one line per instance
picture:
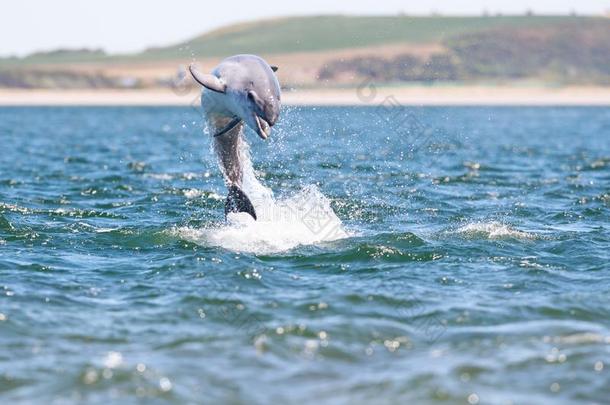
column 131, row 25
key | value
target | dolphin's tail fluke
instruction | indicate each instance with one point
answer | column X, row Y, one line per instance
column 238, row 201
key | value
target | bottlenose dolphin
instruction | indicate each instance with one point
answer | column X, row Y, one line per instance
column 242, row 89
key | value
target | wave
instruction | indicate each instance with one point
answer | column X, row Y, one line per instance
column 492, row 230
column 58, row 212
column 5, row 225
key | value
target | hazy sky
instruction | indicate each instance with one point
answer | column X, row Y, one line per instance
column 130, row 25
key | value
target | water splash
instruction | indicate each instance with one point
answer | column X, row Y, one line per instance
column 305, row 218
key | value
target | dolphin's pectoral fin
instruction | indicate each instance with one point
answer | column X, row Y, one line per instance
column 238, row 201
column 208, row 81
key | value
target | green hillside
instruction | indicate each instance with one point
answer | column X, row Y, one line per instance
column 548, row 49
column 319, row 33
column 306, row 34
column 576, row 52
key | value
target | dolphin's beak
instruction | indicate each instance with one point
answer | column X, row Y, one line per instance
column 263, row 128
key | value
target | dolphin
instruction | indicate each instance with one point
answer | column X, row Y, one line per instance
column 242, row 91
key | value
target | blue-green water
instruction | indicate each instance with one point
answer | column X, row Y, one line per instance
column 473, row 267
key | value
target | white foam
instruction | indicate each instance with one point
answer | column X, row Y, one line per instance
column 159, row 176
column 492, row 230
column 192, row 193
column 305, row 218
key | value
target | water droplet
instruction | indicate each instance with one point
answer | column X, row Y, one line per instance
column 113, row 359
column 473, row 399
column 90, row 377
column 165, row 384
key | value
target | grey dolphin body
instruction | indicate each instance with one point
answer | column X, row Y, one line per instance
column 241, row 91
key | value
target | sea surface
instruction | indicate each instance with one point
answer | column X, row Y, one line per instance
column 408, row 255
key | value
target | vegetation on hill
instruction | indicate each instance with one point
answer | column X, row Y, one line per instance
column 306, row 34
column 64, row 79
column 567, row 49
column 401, row 68
column 58, row 56
column 577, row 53
column 573, row 52
column 309, row 34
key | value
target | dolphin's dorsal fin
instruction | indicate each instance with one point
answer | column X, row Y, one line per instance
column 207, row 80
column 238, row 201
column 274, row 68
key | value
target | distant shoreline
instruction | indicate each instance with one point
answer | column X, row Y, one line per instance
column 381, row 96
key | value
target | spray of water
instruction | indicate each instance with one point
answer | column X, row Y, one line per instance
column 305, row 218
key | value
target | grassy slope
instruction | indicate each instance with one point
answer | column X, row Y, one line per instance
column 317, row 33
column 302, row 34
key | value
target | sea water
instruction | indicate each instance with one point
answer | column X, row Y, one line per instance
column 403, row 255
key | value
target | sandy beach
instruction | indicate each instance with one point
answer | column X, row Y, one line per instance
column 385, row 96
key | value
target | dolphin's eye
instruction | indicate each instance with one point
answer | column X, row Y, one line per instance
column 252, row 96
